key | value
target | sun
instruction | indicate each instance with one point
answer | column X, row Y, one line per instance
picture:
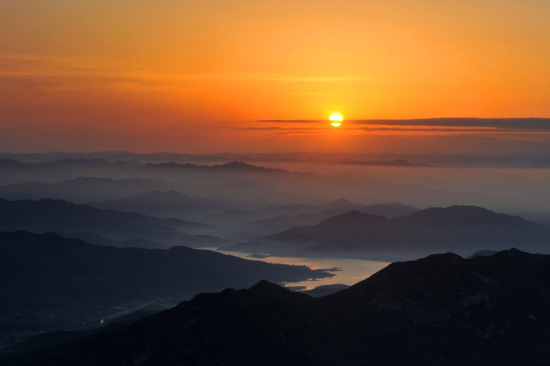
column 336, row 119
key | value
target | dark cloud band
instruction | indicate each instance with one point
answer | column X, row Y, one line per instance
column 534, row 124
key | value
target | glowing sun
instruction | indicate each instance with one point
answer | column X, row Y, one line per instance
column 336, row 119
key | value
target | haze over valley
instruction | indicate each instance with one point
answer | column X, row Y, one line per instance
column 96, row 239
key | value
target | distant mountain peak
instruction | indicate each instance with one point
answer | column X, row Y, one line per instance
column 89, row 179
column 264, row 285
column 340, row 201
column 449, row 257
column 353, row 216
column 471, row 214
column 269, row 289
column 456, row 209
column 159, row 193
column 237, row 165
column 514, row 253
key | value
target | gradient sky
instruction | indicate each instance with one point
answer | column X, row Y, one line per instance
column 203, row 76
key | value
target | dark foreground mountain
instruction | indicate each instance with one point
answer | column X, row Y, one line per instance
column 53, row 282
column 440, row 310
column 462, row 229
column 49, row 215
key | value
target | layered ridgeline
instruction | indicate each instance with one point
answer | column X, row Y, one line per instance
column 440, row 310
column 51, row 282
column 234, row 182
column 462, row 229
column 100, row 226
column 147, row 196
column 81, row 189
column 68, row 169
column 162, row 204
column 254, row 223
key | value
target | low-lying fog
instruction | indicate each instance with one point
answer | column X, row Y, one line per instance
column 501, row 189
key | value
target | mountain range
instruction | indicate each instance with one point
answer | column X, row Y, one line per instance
column 254, row 223
column 464, row 229
column 49, row 215
column 439, row 310
column 237, row 183
column 283, row 222
column 81, row 189
column 162, row 204
column 118, row 169
column 54, row 282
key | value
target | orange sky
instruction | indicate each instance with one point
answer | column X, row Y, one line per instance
column 197, row 75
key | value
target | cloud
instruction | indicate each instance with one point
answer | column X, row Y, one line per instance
column 291, row 121
column 430, row 129
column 538, row 124
column 66, row 74
column 283, row 130
column 442, row 124
column 275, row 128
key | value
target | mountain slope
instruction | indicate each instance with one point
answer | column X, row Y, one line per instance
column 440, row 310
column 464, row 229
column 63, row 217
column 53, row 280
column 251, row 224
column 280, row 223
column 80, row 190
column 67, row 169
column 161, row 204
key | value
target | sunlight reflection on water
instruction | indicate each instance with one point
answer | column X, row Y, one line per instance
column 350, row 271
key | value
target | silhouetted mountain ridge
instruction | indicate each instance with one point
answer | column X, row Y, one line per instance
column 256, row 223
column 352, row 218
column 239, row 165
column 465, row 229
column 468, row 215
column 50, row 215
column 439, row 310
column 80, row 189
column 60, row 281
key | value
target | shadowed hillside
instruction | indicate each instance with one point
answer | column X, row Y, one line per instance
column 440, row 310
column 63, row 217
column 51, row 281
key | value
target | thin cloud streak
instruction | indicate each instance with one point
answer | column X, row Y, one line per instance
column 540, row 124
column 431, row 129
column 443, row 124
column 374, row 129
column 17, row 65
column 276, row 129
column 291, row 121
